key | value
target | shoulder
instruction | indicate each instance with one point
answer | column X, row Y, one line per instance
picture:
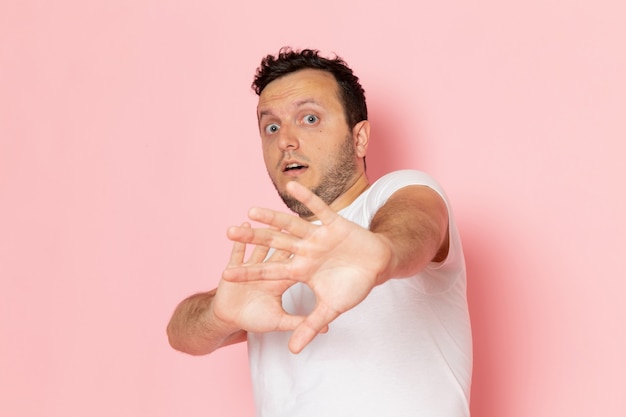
column 387, row 185
column 367, row 204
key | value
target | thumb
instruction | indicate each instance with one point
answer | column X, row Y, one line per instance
column 289, row 322
column 317, row 322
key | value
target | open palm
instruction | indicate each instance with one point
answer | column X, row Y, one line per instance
column 338, row 259
column 254, row 306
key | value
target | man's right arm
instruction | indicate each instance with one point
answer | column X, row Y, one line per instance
column 194, row 328
column 207, row 321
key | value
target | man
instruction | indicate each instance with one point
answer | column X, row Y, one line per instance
column 356, row 305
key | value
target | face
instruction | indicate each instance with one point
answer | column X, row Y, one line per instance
column 306, row 138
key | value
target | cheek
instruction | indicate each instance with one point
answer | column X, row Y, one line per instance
column 269, row 157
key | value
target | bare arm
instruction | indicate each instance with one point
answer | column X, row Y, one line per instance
column 414, row 223
column 194, row 329
column 207, row 321
column 339, row 260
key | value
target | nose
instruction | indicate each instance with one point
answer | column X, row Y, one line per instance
column 287, row 139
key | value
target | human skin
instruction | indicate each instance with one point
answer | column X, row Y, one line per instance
column 302, row 125
column 302, row 122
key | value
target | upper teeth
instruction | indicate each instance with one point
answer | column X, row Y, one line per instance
column 292, row 166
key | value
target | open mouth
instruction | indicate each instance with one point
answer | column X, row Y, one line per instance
column 294, row 167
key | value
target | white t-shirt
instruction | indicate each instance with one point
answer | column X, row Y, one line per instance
column 405, row 351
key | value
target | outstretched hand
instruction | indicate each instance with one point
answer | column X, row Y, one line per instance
column 254, row 306
column 338, row 259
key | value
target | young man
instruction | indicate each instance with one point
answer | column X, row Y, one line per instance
column 355, row 305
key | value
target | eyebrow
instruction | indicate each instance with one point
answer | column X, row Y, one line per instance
column 297, row 104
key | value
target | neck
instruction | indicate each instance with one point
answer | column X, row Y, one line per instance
column 358, row 186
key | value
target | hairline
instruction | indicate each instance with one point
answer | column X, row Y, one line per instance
column 339, row 92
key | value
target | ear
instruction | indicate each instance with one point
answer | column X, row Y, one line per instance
column 361, row 136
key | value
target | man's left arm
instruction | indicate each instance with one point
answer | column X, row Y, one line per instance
column 338, row 259
column 414, row 223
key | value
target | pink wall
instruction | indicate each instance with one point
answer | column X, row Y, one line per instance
column 128, row 144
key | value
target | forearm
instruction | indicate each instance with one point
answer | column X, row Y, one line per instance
column 413, row 224
column 194, row 329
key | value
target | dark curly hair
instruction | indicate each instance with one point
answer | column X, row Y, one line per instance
column 288, row 60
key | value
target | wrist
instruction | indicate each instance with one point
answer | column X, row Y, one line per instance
column 216, row 320
column 389, row 260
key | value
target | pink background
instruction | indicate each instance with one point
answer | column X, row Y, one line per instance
column 128, row 144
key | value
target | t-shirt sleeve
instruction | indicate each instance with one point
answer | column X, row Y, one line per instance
column 384, row 188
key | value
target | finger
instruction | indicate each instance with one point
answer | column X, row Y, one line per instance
column 268, row 237
column 279, row 256
column 258, row 254
column 317, row 322
column 289, row 322
column 281, row 221
column 271, row 271
column 238, row 252
column 317, row 206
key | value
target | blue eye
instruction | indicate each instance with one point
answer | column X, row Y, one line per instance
column 271, row 128
column 311, row 119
